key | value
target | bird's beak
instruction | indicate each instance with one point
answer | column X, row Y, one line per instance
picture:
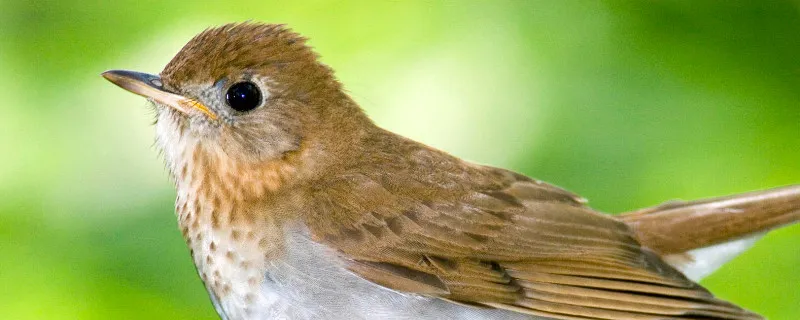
column 151, row 87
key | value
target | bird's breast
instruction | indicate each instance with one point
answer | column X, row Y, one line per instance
column 228, row 250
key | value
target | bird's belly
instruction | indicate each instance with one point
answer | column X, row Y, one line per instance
column 309, row 282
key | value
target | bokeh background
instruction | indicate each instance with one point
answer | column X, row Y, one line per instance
column 627, row 103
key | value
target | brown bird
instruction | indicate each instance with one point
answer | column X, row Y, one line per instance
column 296, row 206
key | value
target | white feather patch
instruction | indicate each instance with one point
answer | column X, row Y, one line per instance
column 698, row 263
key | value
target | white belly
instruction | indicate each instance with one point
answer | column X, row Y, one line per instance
column 308, row 283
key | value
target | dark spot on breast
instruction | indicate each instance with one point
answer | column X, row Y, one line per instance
column 214, row 219
column 236, row 235
column 263, row 243
column 180, row 205
column 212, row 246
column 233, row 210
column 250, row 217
column 252, row 281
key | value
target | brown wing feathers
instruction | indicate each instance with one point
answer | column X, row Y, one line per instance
column 528, row 247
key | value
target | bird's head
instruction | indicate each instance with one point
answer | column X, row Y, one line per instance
column 246, row 93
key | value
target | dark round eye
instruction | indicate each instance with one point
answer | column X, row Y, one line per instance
column 243, row 96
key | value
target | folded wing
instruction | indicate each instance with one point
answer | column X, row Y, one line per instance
column 521, row 245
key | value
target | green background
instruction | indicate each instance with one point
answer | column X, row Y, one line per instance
column 626, row 103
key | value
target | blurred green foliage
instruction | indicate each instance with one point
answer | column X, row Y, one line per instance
column 627, row 103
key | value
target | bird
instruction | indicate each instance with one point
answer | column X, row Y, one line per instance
column 295, row 205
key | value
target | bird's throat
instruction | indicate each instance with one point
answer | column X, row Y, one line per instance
column 228, row 219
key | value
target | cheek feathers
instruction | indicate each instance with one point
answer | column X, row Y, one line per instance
column 173, row 139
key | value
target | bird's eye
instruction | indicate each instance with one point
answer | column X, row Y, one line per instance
column 243, row 96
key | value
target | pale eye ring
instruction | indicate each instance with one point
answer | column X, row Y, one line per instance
column 243, row 96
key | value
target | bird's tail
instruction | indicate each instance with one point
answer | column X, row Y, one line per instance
column 697, row 237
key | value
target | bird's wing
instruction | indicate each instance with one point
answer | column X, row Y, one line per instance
column 524, row 246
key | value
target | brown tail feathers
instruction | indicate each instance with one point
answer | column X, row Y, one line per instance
column 677, row 227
